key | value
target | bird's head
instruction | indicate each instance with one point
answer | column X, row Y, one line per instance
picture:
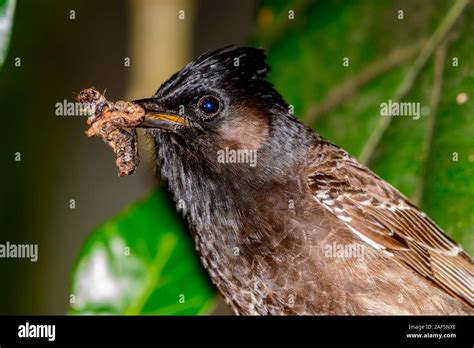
column 220, row 102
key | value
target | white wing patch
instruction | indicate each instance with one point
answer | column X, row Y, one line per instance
column 380, row 216
column 340, row 213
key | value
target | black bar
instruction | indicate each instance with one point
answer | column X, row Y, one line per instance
column 257, row 330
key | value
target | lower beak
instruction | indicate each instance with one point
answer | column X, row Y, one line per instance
column 158, row 117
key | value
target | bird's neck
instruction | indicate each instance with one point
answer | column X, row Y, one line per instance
column 210, row 192
column 235, row 209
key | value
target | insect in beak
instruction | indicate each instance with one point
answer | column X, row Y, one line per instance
column 158, row 117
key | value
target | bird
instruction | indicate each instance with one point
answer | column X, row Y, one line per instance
column 284, row 221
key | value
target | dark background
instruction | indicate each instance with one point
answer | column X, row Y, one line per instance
column 59, row 57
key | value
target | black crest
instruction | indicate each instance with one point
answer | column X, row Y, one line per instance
column 237, row 64
column 247, row 62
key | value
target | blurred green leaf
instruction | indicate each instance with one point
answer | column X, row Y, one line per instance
column 406, row 59
column 7, row 9
column 141, row 262
column 383, row 41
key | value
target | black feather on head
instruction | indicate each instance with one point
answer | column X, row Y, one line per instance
column 230, row 63
column 237, row 70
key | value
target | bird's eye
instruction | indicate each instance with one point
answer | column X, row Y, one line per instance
column 209, row 105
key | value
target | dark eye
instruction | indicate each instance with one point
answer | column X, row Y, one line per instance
column 209, row 105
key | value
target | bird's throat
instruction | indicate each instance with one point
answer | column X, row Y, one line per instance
column 234, row 211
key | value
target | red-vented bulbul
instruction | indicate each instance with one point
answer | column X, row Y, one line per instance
column 286, row 222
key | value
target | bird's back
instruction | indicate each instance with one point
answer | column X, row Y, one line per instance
column 316, row 256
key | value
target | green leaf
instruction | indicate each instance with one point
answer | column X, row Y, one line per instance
column 7, row 9
column 141, row 262
column 404, row 59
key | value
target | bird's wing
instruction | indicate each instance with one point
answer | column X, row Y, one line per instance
column 382, row 217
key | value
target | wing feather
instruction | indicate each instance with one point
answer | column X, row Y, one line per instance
column 382, row 216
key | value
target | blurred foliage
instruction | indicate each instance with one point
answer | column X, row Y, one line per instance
column 141, row 262
column 415, row 156
column 403, row 56
column 7, row 9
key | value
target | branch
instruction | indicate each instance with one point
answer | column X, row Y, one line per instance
column 446, row 25
column 440, row 59
column 349, row 87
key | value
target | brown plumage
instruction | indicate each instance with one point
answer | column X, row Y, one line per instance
column 308, row 229
column 382, row 216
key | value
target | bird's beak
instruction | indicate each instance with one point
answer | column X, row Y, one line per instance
column 158, row 117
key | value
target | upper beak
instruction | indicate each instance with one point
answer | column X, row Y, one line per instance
column 158, row 117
